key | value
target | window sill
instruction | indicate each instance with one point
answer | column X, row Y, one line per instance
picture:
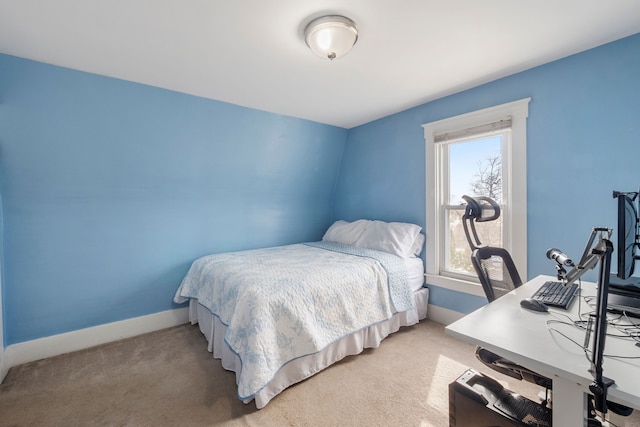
column 455, row 284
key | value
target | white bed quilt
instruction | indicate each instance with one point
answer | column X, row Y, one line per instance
column 294, row 300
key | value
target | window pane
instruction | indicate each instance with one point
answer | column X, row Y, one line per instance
column 475, row 168
column 458, row 255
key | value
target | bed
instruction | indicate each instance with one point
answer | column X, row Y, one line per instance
column 278, row 315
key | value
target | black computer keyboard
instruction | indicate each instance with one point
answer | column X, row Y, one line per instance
column 556, row 294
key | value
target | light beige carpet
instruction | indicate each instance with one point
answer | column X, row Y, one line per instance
column 167, row 378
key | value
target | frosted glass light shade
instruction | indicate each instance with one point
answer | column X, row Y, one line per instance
column 331, row 37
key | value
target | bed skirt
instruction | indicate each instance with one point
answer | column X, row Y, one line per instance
column 299, row 369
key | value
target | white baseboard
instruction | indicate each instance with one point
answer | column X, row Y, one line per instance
column 3, row 365
column 443, row 315
column 42, row 348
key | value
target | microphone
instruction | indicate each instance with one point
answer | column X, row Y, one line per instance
column 559, row 257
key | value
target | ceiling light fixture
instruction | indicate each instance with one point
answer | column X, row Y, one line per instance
column 331, row 36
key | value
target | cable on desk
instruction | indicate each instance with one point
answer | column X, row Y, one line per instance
column 612, row 322
column 630, row 330
column 580, row 324
column 550, row 329
column 625, row 331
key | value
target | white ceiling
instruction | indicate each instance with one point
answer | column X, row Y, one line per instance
column 252, row 52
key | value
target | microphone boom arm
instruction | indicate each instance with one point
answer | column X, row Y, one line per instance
column 592, row 255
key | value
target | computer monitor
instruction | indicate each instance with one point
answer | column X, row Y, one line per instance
column 627, row 245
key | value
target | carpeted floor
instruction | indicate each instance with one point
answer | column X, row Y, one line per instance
column 167, row 378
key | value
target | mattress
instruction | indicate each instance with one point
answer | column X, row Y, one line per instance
column 415, row 273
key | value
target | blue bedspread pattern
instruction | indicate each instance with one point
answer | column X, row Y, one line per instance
column 294, row 301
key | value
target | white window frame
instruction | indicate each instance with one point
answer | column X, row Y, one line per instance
column 514, row 217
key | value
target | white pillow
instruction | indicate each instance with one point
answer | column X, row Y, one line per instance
column 416, row 249
column 396, row 238
column 345, row 232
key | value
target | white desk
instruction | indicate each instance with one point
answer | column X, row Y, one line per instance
column 524, row 337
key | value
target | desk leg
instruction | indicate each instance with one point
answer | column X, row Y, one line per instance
column 569, row 403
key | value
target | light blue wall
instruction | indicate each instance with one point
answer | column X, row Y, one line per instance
column 583, row 142
column 111, row 189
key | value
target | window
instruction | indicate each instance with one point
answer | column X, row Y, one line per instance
column 479, row 153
